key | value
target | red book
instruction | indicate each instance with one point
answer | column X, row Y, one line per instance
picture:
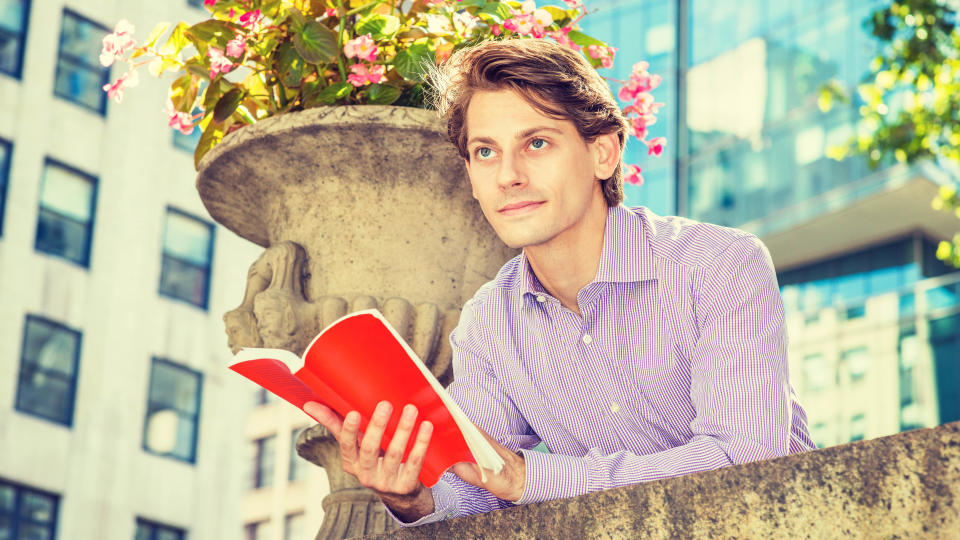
column 358, row 361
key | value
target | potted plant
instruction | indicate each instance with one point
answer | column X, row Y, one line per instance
column 317, row 144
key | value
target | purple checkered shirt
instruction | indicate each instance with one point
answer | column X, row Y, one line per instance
column 677, row 365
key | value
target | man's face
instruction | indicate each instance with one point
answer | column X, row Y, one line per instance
column 534, row 176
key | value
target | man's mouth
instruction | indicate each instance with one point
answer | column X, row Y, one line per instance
column 522, row 207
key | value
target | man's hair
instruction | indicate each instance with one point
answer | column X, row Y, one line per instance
column 553, row 79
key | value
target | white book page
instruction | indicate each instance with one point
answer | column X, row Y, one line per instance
column 293, row 362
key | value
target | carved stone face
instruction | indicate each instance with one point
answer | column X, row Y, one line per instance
column 242, row 330
column 276, row 318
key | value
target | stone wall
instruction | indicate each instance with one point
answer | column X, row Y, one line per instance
column 905, row 485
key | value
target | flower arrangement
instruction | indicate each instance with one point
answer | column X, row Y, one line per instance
column 253, row 59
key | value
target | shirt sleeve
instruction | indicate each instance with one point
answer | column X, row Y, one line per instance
column 482, row 398
column 739, row 388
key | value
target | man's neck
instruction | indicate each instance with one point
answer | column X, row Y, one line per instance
column 570, row 261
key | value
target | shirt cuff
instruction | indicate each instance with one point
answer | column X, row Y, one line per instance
column 444, row 506
column 553, row 476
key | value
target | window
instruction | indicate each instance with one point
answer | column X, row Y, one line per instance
column 187, row 142
column 65, row 223
column 187, row 250
column 173, row 411
column 5, row 151
column 264, row 396
column 858, row 427
column 857, row 360
column 262, row 460
column 48, row 370
column 293, row 527
column 148, row 530
column 816, row 372
column 298, row 465
column 80, row 77
column 27, row 513
column 195, row 3
column 258, row 531
column 14, row 15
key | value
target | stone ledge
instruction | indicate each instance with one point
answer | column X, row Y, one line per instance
column 904, row 485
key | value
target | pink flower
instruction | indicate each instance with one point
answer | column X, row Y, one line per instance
column 521, row 24
column 574, row 4
column 362, row 48
column 236, row 46
column 495, row 30
column 561, row 36
column 655, row 146
column 528, row 6
column 218, row 62
column 251, row 20
column 330, row 12
column 639, row 127
column 209, row 3
column 362, row 75
column 179, row 120
column 633, row 176
column 115, row 89
column 117, row 44
column 604, row 54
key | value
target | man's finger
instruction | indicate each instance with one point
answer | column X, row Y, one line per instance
column 325, row 416
column 394, row 454
column 348, row 437
column 410, row 472
column 370, row 444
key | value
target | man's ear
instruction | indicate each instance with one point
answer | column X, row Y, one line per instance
column 606, row 155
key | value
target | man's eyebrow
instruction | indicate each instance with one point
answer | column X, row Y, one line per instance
column 522, row 135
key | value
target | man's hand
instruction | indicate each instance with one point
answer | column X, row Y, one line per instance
column 508, row 484
column 397, row 483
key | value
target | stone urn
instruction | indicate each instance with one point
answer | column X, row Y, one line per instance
column 357, row 207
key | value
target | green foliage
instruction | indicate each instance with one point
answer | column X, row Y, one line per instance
column 911, row 95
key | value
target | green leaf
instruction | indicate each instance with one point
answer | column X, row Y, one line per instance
column 155, row 34
column 213, row 93
column 180, row 92
column 212, row 135
column 463, row 4
column 292, row 65
column 495, row 11
column 379, row 26
column 412, row 63
column 227, row 104
column 177, row 41
column 584, row 40
column 332, row 93
column 297, row 20
column 557, row 13
column 211, row 32
column 383, row 94
column 317, row 44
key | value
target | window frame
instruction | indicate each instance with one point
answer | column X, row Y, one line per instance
column 15, row 516
column 68, row 422
column 257, row 482
column 157, row 527
column 163, row 254
column 24, row 28
column 5, row 178
column 196, row 419
column 104, row 71
column 94, row 194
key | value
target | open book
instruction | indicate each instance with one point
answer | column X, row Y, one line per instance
column 358, row 361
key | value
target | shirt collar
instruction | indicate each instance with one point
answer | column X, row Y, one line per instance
column 625, row 257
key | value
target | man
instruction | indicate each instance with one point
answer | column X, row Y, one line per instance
column 634, row 346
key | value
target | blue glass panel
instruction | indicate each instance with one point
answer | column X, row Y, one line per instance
column 81, row 39
column 907, row 305
column 942, row 297
column 187, row 238
column 12, row 15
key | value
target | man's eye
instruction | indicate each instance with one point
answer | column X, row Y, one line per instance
column 538, row 144
column 484, row 152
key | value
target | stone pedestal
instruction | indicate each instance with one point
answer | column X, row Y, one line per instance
column 358, row 207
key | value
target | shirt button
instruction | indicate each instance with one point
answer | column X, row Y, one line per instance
column 614, row 407
column 587, row 339
column 541, row 298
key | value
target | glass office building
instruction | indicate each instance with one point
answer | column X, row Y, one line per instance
column 873, row 316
